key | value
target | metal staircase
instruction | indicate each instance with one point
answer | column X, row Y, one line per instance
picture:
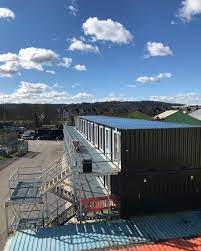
column 29, row 189
column 59, row 212
column 54, row 177
column 58, row 172
column 63, row 217
column 62, row 193
column 32, row 194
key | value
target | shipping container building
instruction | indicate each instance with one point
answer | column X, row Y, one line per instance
column 159, row 163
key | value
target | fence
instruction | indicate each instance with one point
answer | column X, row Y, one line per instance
column 5, row 138
column 99, row 203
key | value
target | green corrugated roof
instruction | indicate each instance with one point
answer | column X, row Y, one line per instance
column 182, row 118
column 138, row 115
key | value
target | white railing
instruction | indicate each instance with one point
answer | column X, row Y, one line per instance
column 23, row 174
column 69, row 150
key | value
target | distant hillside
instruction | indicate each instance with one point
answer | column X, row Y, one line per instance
column 33, row 115
column 150, row 108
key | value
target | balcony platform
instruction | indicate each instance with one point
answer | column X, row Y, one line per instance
column 100, row 164
column 25, row 192
column 89, row 187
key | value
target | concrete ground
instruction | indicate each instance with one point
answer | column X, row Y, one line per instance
column 41, row 154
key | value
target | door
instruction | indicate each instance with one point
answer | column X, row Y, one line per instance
column 101, row 138
column 88, row 131
column 92, row 133
column 116, row 156
column 96, row 135
column 108, row 143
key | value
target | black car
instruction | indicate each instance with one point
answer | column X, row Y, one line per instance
column 60, row 137
column 46, row 136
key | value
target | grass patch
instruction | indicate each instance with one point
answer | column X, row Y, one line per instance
column 3, row 158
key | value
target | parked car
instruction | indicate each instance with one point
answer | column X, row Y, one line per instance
column 55, row 134
column 60, row 137
column 45, row 136
column 28, row 135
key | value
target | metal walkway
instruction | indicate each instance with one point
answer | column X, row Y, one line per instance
column 26, row 190
column 30, row 200
column 99, row 162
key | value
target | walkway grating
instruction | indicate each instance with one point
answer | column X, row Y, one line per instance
column 100, row 164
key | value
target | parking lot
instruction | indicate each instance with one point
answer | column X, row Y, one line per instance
column 41, row 154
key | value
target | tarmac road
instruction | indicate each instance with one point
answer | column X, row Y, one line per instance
column 41, row 154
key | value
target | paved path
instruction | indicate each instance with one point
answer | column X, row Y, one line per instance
column 41, row 154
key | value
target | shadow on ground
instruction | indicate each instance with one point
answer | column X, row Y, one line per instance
column 31, row 155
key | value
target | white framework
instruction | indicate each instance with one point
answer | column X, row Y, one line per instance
column 107, row 140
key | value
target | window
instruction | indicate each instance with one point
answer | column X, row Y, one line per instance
column 85, row 128
column 96, row 135
column 116, row 148
column 81, row 126
column 101, row 138
column 106, row 182
column 88, row 131
column 108, row 143
column 92, row 133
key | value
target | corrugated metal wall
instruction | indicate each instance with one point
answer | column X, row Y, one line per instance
column 161, row 170
column 157, row 192
column 160, row 149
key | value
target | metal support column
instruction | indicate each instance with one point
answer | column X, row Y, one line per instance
column 6, row 218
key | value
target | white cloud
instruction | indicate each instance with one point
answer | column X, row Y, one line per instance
column 164, row 75
column 51, row 72
column 155, row 79
column 72, row 10
column 188, row 9
column 157, row 49
column 43, row 93
column 8, row 69
column 66, row 62
column 113, row 97
column 36, row 58
column 131, row 86
column 192, row 98
column 107, row 30
column 79, row 67
column 6, row 13
column 32, row 89
column 75, row 85
column 147, row 80
column 83, row 95
column 79, row 45
column 30, row 58
column 8, row 57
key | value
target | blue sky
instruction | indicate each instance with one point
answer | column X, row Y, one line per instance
column 91, row 50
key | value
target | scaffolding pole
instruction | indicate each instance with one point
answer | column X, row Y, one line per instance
column 6, row 219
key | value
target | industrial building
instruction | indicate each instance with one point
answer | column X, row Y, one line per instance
column 111, row 168
column 158, row 164
column 196, row 114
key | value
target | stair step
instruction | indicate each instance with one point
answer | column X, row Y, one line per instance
column 55, row 180
column 63, row 217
